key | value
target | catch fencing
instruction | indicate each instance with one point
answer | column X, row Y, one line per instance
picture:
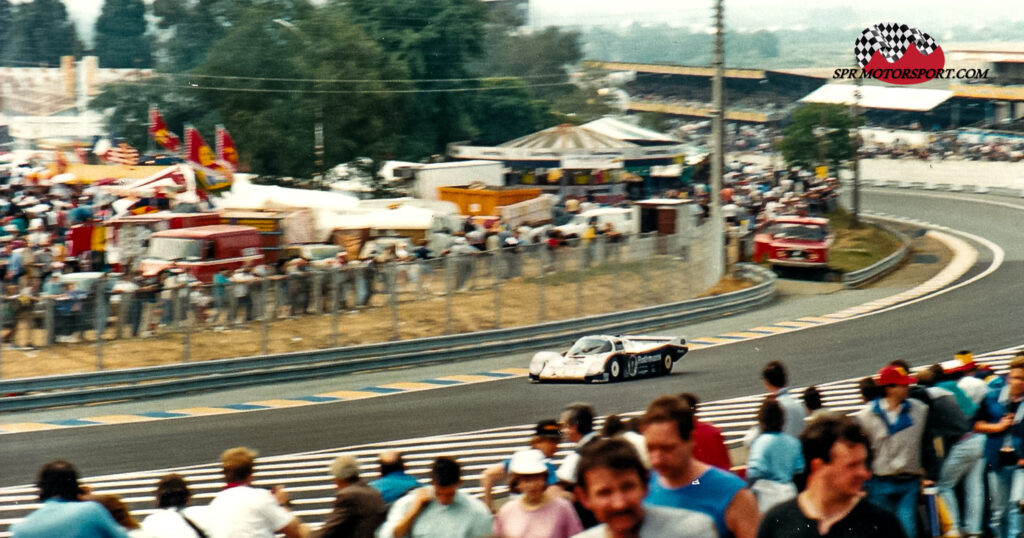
column 107, row 325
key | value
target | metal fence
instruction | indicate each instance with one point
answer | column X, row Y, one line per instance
column 101, row 327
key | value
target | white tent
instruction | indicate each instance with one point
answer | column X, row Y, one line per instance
column 245, row 195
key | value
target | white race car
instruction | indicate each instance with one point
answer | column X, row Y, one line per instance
column 609, row 358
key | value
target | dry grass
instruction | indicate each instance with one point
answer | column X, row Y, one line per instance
column 857, row 248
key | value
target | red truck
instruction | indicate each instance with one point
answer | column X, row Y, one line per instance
column 203, row 250
column 129, row 235
column 794, row 242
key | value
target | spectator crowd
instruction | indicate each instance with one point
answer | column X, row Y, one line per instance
column 938, row 453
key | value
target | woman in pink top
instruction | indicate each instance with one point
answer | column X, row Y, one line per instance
column 535, row 513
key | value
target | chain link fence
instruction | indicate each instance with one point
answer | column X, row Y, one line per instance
column 106, row 323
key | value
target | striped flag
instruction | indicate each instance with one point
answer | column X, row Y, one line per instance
column 158, row 130
column 226, row 150
column 123, row 153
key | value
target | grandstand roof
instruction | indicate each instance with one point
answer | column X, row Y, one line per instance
column 626, row 131
column 812, row 72
column 666, row 69
column 883, row 97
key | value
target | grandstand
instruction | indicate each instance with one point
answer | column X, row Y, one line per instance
column 752, row 95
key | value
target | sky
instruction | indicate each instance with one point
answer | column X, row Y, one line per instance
column 932, row 16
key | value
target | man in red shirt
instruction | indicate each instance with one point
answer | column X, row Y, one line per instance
column 708, row 443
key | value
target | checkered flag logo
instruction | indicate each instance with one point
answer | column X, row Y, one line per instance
column 893, row 39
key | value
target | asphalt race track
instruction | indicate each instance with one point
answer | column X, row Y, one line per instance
column 982, row 316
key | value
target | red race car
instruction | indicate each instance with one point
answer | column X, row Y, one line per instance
column 794, row 242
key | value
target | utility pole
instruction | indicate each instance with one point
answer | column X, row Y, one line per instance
column 855, row 218
column 718, row 141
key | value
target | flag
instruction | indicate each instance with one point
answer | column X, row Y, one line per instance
column 226, row 150
column 212, row 174
column 121, row 152
column 158, row 130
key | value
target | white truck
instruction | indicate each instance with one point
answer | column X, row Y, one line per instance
column 624, row 220
column 428, row 177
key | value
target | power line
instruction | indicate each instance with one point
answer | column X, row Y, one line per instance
column 347, row 92
column 357, row 80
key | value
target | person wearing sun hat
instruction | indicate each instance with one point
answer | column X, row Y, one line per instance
column 547, row 435
column 536, row 512
column 895, row 425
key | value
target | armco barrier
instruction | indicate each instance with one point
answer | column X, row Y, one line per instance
column 77, row 389
column 855, row 279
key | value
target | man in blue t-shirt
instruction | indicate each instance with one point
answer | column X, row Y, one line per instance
column 393, row 482
column 61, row 513
column 681, row 481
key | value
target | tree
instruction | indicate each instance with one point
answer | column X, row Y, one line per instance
column 505, row 110
column 320, row 69
column 817, row 135
column 436, row 39
column 121, row 40
column 540, row 58
column 193, row 26
column 6, row 25
column 40, row 34
column 127, row 108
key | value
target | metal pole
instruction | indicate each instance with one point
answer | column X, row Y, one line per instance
column 421, row 276
column 392, row 275
column 100, row 321
column 48, row 322
column 497, row 300
column 718, row 142
column 187, row 320
column 316, row 294
column 123, row 309
column 540, row 288
column 449, row 290
column 855, row 218
column 582, row 259
column 3, row 299
column 264, row 318
column 335, row 284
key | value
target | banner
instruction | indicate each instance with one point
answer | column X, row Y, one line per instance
column 158, row 130
column 213, row 175
column 226, row 150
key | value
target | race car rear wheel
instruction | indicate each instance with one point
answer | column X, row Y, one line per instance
column 615, row 370
column 632, row 368
column 666, row 363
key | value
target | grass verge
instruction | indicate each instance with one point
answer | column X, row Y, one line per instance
column 857, row 248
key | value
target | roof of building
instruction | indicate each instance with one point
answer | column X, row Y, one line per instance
column 621, row 130
column 666, row 69
column 567, row 136
column 881, row 97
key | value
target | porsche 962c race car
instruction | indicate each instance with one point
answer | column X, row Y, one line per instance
column 609, row 358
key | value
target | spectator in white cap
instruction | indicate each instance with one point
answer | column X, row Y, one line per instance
column 535, row 512
column 36, row 234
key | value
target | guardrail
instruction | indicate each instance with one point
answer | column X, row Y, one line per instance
column 93, row 387
column 1013, row 192
column 856, row 279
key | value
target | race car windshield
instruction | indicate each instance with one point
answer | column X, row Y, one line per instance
column 799, row 231
column 591, row 346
